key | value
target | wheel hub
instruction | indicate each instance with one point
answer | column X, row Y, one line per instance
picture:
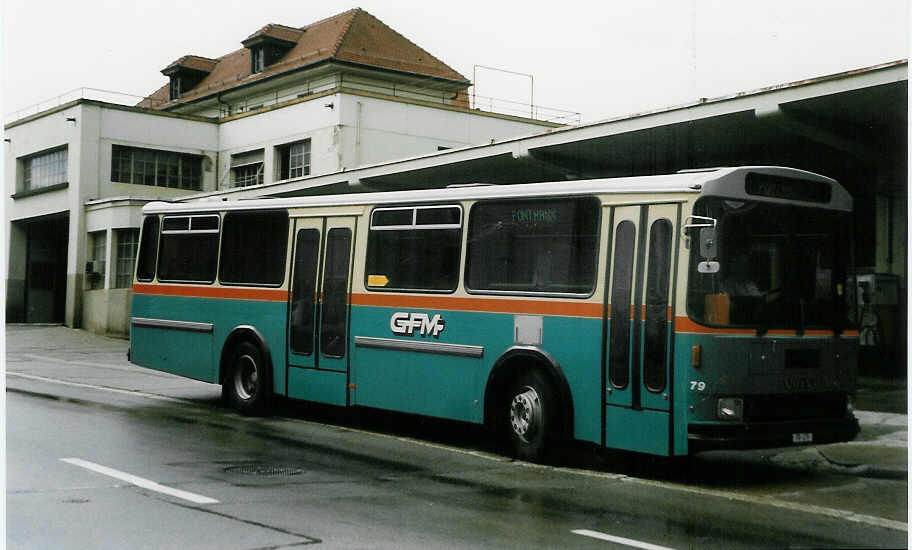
column 246, row 377
column 525, row 413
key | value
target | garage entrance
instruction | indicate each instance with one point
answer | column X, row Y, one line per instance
column 46, row 238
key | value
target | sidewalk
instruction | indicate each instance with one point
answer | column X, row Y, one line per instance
column 80, row 357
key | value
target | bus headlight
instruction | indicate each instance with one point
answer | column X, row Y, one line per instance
column 730, row 408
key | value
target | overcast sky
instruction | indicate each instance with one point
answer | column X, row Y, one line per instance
column 602, row 59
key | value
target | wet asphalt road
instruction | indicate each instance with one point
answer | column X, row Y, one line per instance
column 323, row 477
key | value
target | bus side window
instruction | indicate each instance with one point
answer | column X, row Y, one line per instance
column 304, row 291
column 188, row 251
column 148, row 250
column 335, row 292
column 533, row 246
column 625, row 245
column 656, row 347
column 253, row 248
column 414, row 248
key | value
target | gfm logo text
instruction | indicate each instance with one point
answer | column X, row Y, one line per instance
column 406, row 323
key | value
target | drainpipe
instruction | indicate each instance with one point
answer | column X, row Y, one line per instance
column 218, row 98
column 358, row 136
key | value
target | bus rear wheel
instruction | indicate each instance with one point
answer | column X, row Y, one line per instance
column 247, row 385
column 531, row 417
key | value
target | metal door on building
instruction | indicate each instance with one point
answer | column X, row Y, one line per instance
column 45, row 275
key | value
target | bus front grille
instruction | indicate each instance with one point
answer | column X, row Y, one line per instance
column 775, row 408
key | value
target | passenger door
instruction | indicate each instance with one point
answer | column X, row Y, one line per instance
column 318, row 309
column 638, row 328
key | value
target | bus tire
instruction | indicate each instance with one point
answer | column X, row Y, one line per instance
column 247, row 387
column 532, row 418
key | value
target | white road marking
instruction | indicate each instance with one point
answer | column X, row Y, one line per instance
column 139, row 481
column 729, row 495
column 618, row 540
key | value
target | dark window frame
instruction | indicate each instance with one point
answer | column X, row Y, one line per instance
column 247, row 168
column 126, row 251
column 297, row 334
column 334, row 306
column 97, row 280
column 31, row 171
column 376, row 227
column 257, row 59
column 189, row 232
column 622, row 285
column 174, row 87
column 596, row 207
column 156, row 168
column 283, row 156
column 656, row 325
column 147, row 247
column 226, row 257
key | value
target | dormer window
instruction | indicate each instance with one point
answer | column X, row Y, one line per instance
column 265, row 54
column 174, row 88
column 257, row 59
column 270, row 44
column 186, row 73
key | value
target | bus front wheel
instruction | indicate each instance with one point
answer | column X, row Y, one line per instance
column 247, row 387
column 531, row 419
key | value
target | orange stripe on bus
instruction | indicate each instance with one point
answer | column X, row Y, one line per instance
column 685, row 324
column 488, row 305
column 262, row 294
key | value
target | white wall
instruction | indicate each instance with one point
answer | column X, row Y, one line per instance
column 358, row 130
column 389, row 129
column 137, row 129
column 39, row 135
column 266, row 130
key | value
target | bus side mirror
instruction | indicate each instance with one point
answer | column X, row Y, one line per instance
column 708, row 247
column 708, row 267
column 707, row 227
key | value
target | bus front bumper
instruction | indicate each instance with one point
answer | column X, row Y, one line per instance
column 705, row 437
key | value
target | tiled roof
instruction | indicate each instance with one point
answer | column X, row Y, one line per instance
column 354, row 36
column 194, row 62
column 279, row 32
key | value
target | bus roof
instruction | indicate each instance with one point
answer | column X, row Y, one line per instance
column 682, row 182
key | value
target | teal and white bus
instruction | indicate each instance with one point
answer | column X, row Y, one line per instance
column 662, row 314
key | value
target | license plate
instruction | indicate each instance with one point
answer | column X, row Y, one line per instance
column 802, row 438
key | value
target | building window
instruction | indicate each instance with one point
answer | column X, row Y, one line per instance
column 257, row 59
column 174, row 88
column 266, row 54
column 127, row 241
column 95, row 267
column 44, row 170
column 247, row 168
column 156, row 168
column 293, row 160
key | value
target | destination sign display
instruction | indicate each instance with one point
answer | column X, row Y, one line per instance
column 766, row 185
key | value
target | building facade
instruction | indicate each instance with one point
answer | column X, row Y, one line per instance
column 292, row 103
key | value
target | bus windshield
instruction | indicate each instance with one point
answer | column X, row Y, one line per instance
column 770, row 266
